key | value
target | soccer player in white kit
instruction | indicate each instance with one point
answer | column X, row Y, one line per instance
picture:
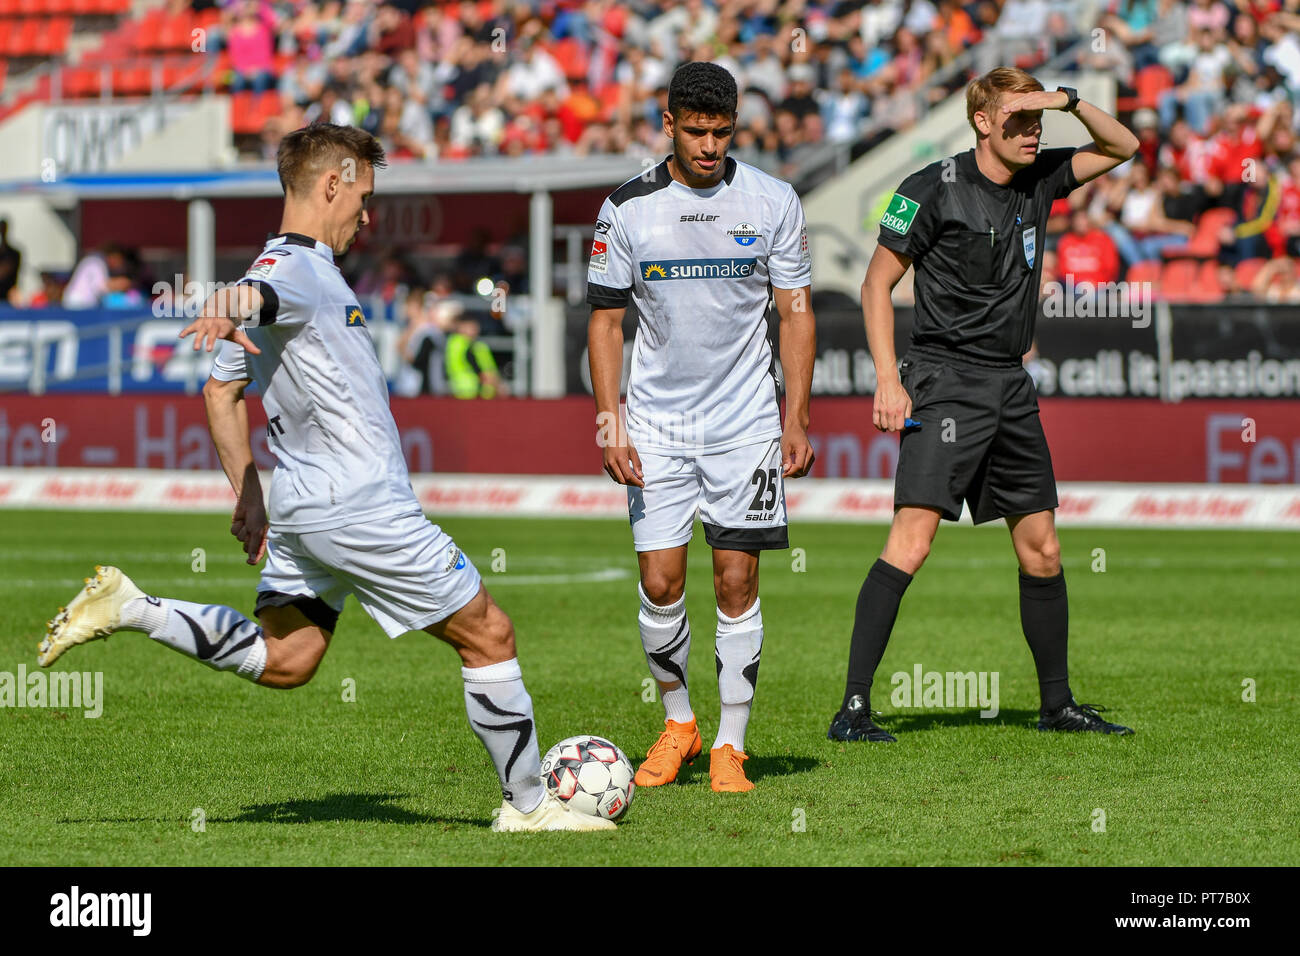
column 342, row 517
column 700, row 244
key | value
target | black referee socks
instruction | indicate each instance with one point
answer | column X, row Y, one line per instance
column 1045, row 617
column 872, row 623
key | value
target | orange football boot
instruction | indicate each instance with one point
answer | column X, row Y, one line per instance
column 678, row 744
column 726, row 775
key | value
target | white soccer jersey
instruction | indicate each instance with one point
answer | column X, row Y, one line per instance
column 697, row 263
column 339, row 457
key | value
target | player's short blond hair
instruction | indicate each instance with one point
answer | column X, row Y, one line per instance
column 982, row 93
column 306, row 153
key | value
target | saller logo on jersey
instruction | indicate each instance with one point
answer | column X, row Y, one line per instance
column 899, row 213
column 697, row 269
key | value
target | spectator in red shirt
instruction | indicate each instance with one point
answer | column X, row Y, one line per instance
column 1237, row 153
column 1288, row 212
column 1147, row 126
column 1087, row 253
column 391, row 31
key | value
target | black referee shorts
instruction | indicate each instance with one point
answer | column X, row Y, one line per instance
column 980, row 439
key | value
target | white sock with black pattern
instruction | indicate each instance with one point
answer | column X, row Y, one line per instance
column 214, row 634
column 501, row 713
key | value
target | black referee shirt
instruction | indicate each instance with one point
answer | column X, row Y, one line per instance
column 976, row 248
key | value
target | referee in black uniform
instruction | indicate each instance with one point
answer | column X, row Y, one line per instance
column 973, row 225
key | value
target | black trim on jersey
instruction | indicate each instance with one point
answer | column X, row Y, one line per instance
column 605, row 297
column 772, row 338
column 293, row 239
column 747, row 539
column 660, row 180
column 641, row 186
column 312, row 608
column 270, row 301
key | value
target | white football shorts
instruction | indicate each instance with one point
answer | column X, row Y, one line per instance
column 406, row 572
column 739, row 495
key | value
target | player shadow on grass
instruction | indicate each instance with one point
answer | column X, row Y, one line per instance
column 932, row 720
column 335, row 808
column 341, row 807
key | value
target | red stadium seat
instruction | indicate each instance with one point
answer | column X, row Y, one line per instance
column 242, row 117
column 1205, row 243
column 1178, row 280
column 1208, row 286
column 1148, row 272
column 1148, row 84
column 1247, row 269
column 26, row 39
column 572, row 58
column 53, row 40
column 267, row 105
column 6, row 28
column 150, row 36
column 249, row 112
column 132, row 81
column 10, row 8
column 175, row 33
column 80, row 82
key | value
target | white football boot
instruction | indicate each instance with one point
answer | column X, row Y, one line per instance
column 551, row 814
column 94, row 613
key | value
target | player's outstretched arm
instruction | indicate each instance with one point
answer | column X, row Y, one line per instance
column 798, row 352
column 221, row 316
column 605, row 355
column 892, row 404
column 228, row 423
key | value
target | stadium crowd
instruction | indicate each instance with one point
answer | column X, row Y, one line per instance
column 453, row 80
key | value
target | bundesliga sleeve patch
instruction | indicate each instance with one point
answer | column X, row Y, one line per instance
column 262, row 268
column 599, row 257
column 899, row 214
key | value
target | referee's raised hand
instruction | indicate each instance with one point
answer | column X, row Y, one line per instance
column 1031, row 102
column 892, row 406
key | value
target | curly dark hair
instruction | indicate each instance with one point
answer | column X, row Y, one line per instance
column 704, row 88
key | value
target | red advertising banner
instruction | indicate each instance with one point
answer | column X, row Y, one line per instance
column 1216, row 441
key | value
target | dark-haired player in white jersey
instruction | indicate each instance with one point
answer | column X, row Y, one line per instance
column 342, row 517
column 700, row 244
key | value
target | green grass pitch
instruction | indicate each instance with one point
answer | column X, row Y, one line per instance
column 1166, row 638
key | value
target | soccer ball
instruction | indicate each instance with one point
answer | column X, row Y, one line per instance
column 591, row 775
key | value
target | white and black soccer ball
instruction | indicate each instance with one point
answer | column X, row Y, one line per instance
column 591, row 775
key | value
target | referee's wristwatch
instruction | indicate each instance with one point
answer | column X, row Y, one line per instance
column 1073, row 94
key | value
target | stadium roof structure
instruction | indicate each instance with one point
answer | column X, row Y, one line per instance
column 488, row 175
